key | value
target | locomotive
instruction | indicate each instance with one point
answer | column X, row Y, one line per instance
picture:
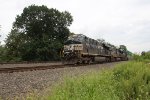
column 82, row 49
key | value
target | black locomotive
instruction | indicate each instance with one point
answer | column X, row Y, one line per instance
column 81, row 49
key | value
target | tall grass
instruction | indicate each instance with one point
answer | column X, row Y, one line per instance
column 130, row 81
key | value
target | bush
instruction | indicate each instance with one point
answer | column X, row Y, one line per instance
column 142, row 58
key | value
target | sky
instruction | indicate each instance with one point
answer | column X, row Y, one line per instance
column 119, row 22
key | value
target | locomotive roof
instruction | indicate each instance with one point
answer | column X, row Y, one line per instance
column 83, row 39
column 80, row 37
column 76, row 36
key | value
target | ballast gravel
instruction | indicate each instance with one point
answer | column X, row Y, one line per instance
column 18, row 84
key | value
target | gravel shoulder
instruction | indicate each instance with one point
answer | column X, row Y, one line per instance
column 22, row 83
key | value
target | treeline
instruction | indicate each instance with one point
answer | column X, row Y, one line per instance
column 144, row 57
column 37, row 34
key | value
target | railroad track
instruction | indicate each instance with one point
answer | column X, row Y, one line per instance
column 28, row 62
column 32, row 68
column 21, row 69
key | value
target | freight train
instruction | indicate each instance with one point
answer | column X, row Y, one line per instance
column 82, row 49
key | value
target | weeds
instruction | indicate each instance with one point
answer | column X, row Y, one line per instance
column 130, row 81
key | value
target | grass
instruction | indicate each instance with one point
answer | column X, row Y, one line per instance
column 129, row 81
column 133, row 81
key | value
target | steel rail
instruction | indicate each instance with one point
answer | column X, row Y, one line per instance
column 32, row 68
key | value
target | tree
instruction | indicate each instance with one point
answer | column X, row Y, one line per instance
column 143, row 53
column 39, row 33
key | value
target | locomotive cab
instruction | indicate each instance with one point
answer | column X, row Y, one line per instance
column 72, row 50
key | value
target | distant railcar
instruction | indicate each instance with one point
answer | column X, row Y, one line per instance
column 81, row 49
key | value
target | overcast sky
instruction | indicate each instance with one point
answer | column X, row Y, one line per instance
column 117, row 21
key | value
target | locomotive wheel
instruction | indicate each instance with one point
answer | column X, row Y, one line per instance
column 84, row 62
column 88, row 62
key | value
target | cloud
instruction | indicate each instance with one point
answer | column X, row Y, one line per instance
column 117, row 21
